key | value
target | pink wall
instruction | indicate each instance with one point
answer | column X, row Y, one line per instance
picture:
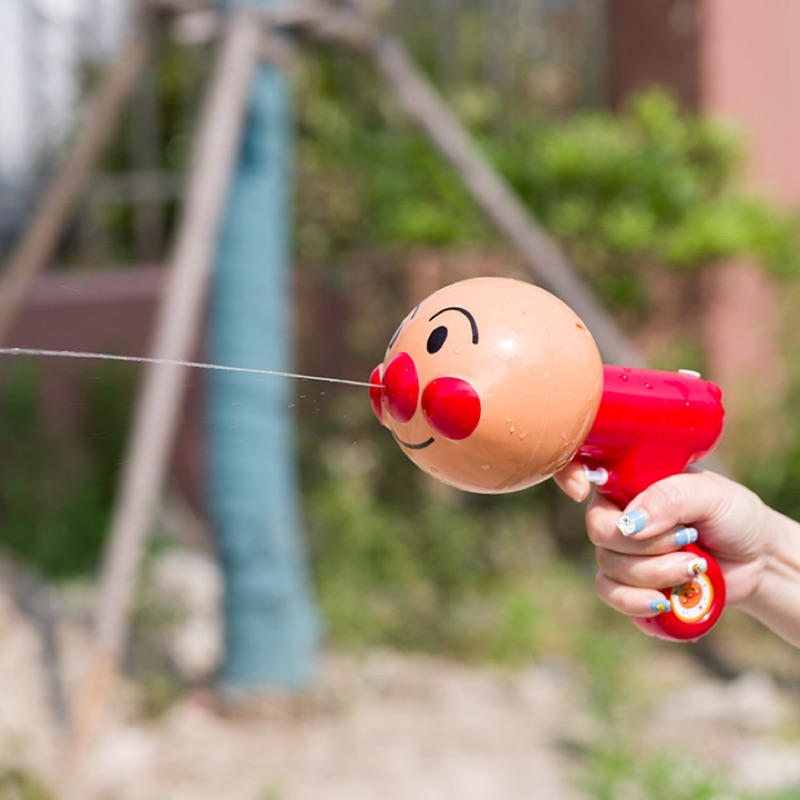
column 750, row 73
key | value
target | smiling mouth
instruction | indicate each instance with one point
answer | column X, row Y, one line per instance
column 420, row 446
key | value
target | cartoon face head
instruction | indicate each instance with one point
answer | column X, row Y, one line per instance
column 689, row 594
column 490, row 385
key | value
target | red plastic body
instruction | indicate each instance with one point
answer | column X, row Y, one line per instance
column 650, row 425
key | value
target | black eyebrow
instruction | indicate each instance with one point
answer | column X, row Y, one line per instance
column 472, row 323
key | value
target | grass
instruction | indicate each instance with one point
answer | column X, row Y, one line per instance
column 20, row 784
column 617, row 772
column 613, row 773
column 56, row 492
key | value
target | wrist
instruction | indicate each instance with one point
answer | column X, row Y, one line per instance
column 773, row 597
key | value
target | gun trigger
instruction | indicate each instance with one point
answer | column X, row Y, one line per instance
column 598, row 477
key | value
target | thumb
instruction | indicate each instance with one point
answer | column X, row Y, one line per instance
column 573, row 482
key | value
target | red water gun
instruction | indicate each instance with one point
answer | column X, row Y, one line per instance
column 493, row 385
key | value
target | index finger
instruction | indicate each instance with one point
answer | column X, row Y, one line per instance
column 694, row 497
column 606, row 525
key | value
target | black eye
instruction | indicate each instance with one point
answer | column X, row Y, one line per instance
column 436, row 339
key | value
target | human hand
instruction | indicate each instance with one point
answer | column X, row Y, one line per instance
column 732, row 523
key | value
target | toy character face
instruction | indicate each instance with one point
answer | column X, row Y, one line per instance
column 490, row 385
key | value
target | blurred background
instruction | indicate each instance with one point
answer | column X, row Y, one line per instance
column 463, row 651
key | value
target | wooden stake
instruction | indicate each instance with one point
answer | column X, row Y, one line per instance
column 42, row 235
column 215, row 149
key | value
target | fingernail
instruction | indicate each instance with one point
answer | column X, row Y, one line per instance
column 577, row 489
column 697, row 566
column 632, row 523
column 685, row 535
column 661, row 606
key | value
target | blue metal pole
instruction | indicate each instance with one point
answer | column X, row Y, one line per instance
column 272, row 625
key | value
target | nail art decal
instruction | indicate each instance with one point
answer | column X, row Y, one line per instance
column 661, row 606
column 632, row 523
column 696, row 566
column 685, row 535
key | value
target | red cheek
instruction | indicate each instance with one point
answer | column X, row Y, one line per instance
column 452, row 407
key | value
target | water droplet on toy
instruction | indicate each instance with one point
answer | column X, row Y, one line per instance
column 486, row 467
column 648, row 386
column 457, row 350
column 523, row 435
column 512, row 429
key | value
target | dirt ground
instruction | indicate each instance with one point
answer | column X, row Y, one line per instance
column 382, row 725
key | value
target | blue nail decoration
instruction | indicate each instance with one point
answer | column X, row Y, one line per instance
column 685, row 535
column 661, row 606
column 632, row 523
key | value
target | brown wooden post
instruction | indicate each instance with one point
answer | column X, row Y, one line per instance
column 41, row 237
column 215, row 148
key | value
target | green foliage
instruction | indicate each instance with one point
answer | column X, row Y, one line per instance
column 772, row 476
column 400, row 563
column 365, row 180
column 772, row 467
column 614, row 773
column 647, row 185
column 55, row 495
column 428, row 576
column 153, row 135
column 626, row 194
column 623, row 772
column 19, row 784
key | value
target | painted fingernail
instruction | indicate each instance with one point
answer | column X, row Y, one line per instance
column 661, row 606
column 632, row 523
column 697, row 566
column 685, row 535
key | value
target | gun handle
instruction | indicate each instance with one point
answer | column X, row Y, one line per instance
column 696, row 605
column 650, row 425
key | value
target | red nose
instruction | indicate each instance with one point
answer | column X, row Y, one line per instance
column 375, row 393
column 401, row 387
column 452, row 407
